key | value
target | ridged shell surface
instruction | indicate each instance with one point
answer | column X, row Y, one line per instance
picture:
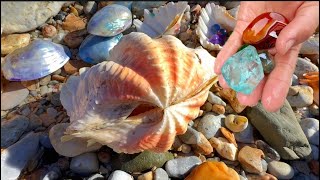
column 110, row 21
column 142, row 97
column 210, row 15
column 40, row 58
column 164, row 20
column 95, row 49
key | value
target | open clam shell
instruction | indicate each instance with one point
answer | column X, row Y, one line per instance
column 38, row 59
column 142, row 97
column 210, row 15
column 164, row 20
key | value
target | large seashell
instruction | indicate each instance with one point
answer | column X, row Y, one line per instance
column 236, row 123
column 210, row 15
column 110, row 21
column 312, row 79
column 95, row 49
column 164, row 20
column 142, row 97
column 34, row 61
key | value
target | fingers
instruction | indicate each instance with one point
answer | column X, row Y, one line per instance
column 222, row 82
column 300, row 28
column 253, row 98
column 279, row 80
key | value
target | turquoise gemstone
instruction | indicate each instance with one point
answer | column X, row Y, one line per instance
column 243, row 71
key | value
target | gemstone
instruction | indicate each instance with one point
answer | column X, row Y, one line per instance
column 262, row 32
column 267, row 62
column 243, row 71
column 222, row 32
column 215, row 39
column 215, row 28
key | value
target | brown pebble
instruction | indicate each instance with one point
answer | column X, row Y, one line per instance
column 231, row 97
column 262, row 176
column 250, row 159
column 146, row 176
column 73, row 66
column 203, row 146
column 49, row 31
column 31, row 85
column 75, row 38
column 58, row 78
column 73, row 23
column 219, row 109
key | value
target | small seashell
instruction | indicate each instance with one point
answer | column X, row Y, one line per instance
column 164, row 20
column 236, row 123
column 224, row 148
column 95, row 49
column 34, row 61
column 210, row 15
column 142, row 97
column 110, row 21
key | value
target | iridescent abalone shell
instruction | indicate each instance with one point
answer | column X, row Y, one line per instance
column 110, row 21
column 95, row 49
column 40, row 58
column 258, row 31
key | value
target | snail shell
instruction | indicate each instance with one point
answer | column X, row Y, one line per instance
column 236, row 123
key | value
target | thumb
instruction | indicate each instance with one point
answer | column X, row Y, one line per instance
column 300, row 28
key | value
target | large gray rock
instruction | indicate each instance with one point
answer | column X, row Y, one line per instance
column 15, row 158
column 281, row 131
column 85, row 163
column 25, row 16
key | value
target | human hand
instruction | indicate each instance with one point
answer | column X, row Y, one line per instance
column 303, row 20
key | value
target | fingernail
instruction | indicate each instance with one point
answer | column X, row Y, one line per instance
column 289, row 45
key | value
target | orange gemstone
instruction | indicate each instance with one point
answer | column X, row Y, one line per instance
column 258, row 31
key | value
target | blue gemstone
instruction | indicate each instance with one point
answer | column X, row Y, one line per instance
column 215, row 28
column 95, row 49
column 243, row 71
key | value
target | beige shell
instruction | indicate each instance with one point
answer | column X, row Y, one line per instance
column 210, row 15
column 163, row 20
column 236, row 123
column 142, row 97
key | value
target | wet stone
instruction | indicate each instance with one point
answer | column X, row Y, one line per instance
column 118, row 174
column 85, row 163
column 269, row 152
column 209, row 125
column 280, row 170
column 160, row 174
column 180, row 167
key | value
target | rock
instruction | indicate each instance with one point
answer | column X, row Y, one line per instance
column 160, row 174
column 73, row 23
column 315, row 152
column 314, row 167
column 310, row 127
column 12, row 129
column 219, row 109
column 180, row 167
column 311, row 45
column 73, row 66
column 185, row 148
column 71, row 148
column 303, row 66
column 63, row 163
column 14, row 41
column 96, row 177
column 280, row 170
column 231, row 4
column 210, row 124
column 251, row 159
column 281, row 131
column 45, row 141
column 117, row 175
column 58, row 78
column 44, row 90
column 75, row 38
column 90, row 7
column 197, row 140
column 59, row 37
column 31, row 85
column 145, row 161
column 139, row 6
column 49, row 31
column 213, row 170
column 214, row 99
column 294, row 80
column 15, row 158
column 231, row 97
column 262, row 176
column 13, row 94
column 245, row 136
column 25, row 16
column 45, row 80
column 207, row 106
column 224, row 148
column 269, row 152
column 300, row 96
column 85, row 163
column 300, row 167
column 146, row 176
column 52, row 175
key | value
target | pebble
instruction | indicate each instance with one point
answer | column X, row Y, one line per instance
column 280, row 170
column 310, row 127
column 14, row 41
column 45, row 80
column 49, row 31
column 160, row 174
column 73, row 66
column 294, row 80
column 146, row 176
column 231, row 97
column 44, row 90
column 262, row 176
column 303, row 66
column 52, row 175
column 118, row 174
column 185, row 148
column 90, row 7
column 210, row 124
column 251, row 159
column 55, row 99
column 104, row 157
column 45, row 141
column 314, row 167
column 301, row 176
column 300, row 96
column 207, row 106
column 224, row 148
column 73, row 23
column 180, row 167
column 15, row 158
column 85, row 163
column 34, row 121
column 245, row 136
column 96, row 177
column 25, row 111
column 59, row 37
column 58, row 78
column 300, row 167
column 214, row 99
column 13, row 94
column 57, row 72
column 31, row 85
column 139, row 6
column 269, row 152
column 75, row 38
column 315, row 152
column 12, row 129
column 219, row 109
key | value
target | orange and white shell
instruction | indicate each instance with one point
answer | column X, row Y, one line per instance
column 140, row 99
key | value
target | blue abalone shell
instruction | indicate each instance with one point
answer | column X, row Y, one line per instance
column 40, row 58
column 110, row 21
column 95, row 49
